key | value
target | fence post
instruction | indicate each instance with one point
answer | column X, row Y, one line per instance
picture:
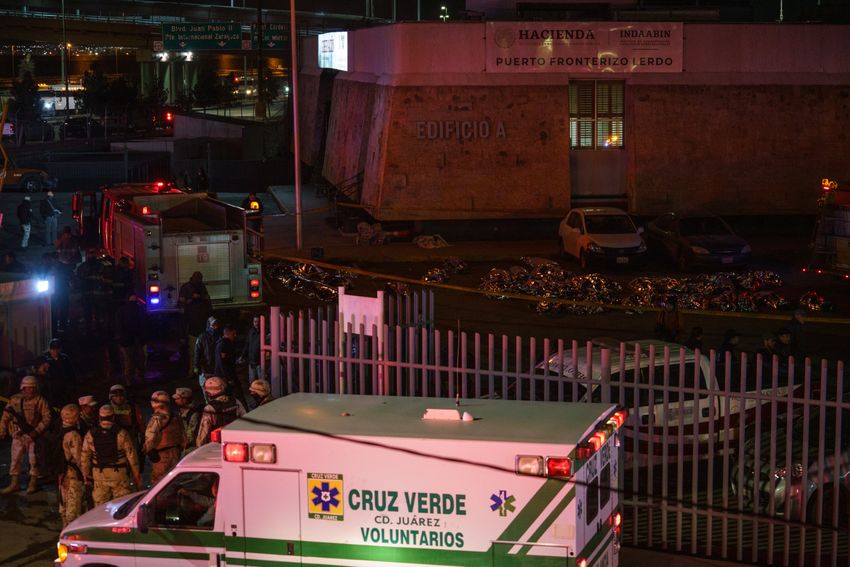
column 605, row 369
column 274, row 328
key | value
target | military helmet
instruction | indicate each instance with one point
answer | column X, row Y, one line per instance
column 118, row 389
column 29, row 382
column 214, row 386
column 106, row 411
column 70, row 414
column 185, row 393
column 260, row 387
column 160, row 397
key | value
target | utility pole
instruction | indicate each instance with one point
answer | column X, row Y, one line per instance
column 260, row 107
column 66, row 49
column 296, row 140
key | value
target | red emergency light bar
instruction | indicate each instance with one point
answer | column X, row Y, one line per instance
column 235, row 452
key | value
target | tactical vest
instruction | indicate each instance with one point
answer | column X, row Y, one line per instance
column 106, row 451
column 171, row 435
column 225, row 412
column 125, row 416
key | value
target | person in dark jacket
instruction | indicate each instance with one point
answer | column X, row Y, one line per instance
column 60, row 300
column 731, row 338
column 90, row 279
column 50, row 213
column 61, row 379
column 796, row 326
column 25, row 218
column 204, row 350
column 194, row 301
column 252, row 353
column 225, row 363
column 131, row 328
column 694, row 341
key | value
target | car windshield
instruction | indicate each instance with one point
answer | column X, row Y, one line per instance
column 692, row 226
column 609, row 224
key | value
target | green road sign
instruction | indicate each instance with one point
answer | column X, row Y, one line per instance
column 275, row 36
column 199, row 37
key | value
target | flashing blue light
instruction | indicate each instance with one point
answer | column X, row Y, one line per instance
column 154, row 301
column 42, row 286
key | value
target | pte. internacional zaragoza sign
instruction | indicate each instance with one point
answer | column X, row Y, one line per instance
column 579, row 47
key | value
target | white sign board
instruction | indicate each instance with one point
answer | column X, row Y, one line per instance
column 360, row 315
column 584, row 47
column 333, row 51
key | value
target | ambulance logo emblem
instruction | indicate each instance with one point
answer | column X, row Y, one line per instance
column 325, row 496
column 502, row 502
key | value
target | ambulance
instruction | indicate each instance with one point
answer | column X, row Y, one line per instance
column 363, row 481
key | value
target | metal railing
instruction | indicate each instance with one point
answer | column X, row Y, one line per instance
column 725, row 456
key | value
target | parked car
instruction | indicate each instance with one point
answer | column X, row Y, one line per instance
column 697, row 240
column 807, row 475
column 679, row 406
column 601, row 235
column 77, row 127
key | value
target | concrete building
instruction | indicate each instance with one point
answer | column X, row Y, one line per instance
column 479, row 120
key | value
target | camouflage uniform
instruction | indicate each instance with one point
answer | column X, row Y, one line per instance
column 127, row 414
column 71, row 482
column 190, row 416
column 164, row 435
column 220, row 410
column 36, row 416
column 107, row 454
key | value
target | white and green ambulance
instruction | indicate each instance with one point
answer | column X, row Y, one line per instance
column 365, row 481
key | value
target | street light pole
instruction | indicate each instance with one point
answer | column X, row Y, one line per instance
column 295, row 135
column 64, row 51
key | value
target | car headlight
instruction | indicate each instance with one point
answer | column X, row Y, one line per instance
column 746, row 249
column 699, row 250
column 594, row 247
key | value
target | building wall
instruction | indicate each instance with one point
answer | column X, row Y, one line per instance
column 736, row 149
column 352, row 122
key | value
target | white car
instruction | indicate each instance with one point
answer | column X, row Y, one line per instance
column 601, row 235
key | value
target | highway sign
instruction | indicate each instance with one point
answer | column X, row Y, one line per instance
column 275, row 36
column 199, row 37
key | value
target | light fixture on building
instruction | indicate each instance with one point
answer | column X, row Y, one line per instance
column 444, row 13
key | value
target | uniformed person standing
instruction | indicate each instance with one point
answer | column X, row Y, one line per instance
column 165, row 437
column 220, row 410
column 88, row 413
column 190, row 415
column 127, row 414
column 261, row 392
column 25, row 417
column 71, row 482
column 109, row 457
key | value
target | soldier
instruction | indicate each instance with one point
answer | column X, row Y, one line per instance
column 88, row 413
column 189, row 413
column 165, row 437
column 204, row 350
column 127, row 414
column 71, row 482
column 25, row 417
column 107, row 454
column 261, row 391
column 220, row 410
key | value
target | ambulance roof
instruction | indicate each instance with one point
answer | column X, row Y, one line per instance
column 372, row 416
column 208, row 455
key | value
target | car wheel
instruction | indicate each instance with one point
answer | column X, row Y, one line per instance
column 582, row 259
column 31, row 184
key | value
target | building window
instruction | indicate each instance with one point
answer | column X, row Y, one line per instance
column 596, row 115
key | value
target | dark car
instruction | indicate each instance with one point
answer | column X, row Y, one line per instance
column 697, row 240
column 78, row 127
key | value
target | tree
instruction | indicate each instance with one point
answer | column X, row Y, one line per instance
column 94, row 95
column 185, row 100
column 208, row 89
column 156, row 96
column 121, row 97
column 25, row 103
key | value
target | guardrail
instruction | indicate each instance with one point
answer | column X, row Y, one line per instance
column 738, row 457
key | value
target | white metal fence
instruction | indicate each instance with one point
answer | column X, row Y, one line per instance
column 727, row 455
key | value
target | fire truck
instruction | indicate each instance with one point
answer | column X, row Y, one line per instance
column 168, row 235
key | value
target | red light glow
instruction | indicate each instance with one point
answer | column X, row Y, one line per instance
column 236, row 452
column 559, row 467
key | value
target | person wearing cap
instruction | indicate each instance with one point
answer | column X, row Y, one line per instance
column 60, row 377
column 25, row 218
column 204, row 350
column 109, row 459
column 50, row 213
column 194, row 301
column 25, row 417
column 261, row 392
column 220, row 410
column 88, row 413
column 165, row 437
column 90, row 277
column 71, row 483
column 783, row 343
column 767, row 348
column 127, row 414
column 39, row 369
column 190, row 415
column 131, row 327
